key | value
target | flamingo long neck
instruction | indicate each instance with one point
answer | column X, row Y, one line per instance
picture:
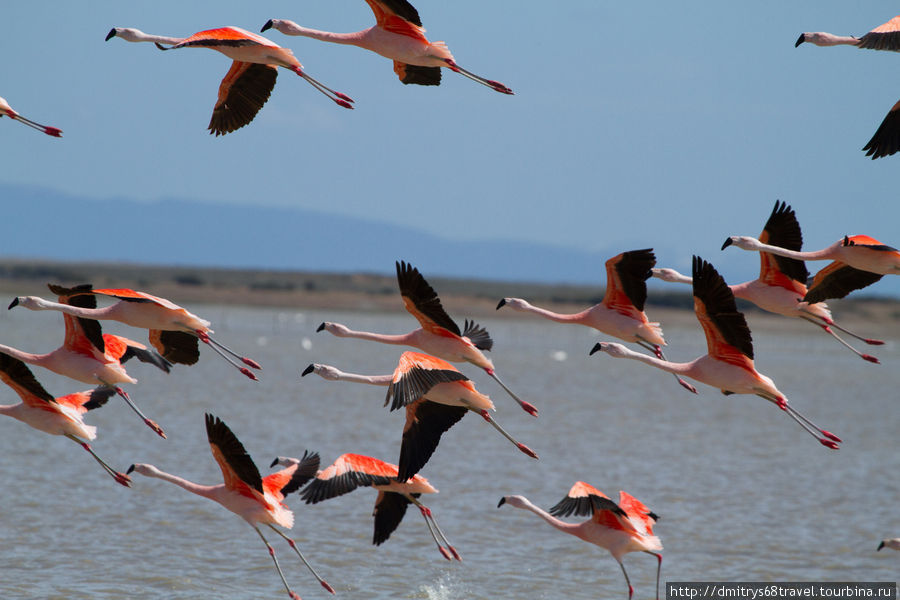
column 370, row 379
column 25, row 357
column 136, row 35
column 830, row 39
column 400, row 340
column 75, row 311
column 207, row 491
column 353, row 39
column 557, row 523
column 826, row 253
column 553, row 316
column 665, row 365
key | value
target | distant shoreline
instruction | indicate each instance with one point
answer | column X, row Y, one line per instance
column 369, row 292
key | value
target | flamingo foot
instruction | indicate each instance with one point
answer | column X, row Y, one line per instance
column 122, row 479
column 343, row 103
column 327, row 587
column 251, row 363
column 444, row 553
column 455, row 553
column 53, row 131
column 426, row 512
column 630, row 591
column 152, row 425
column 500, row 87
column 687, row 386
column 782, row 404
column 872, row 342
column 831, row 436
column 249, row 373
column 530, row 408
column 870, row 358
column 829, row 444
column 294, row 596
column 527, row 451
column 344, row 97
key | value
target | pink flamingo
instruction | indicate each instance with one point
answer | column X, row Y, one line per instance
column 781, row 284
column 173, row 330
column 621, row 313
column 728, row 365
column 351, row 471
column 56, row 416
column 886, row 140
column 438, row 335
column 257, row 500
column 858, row 261
column 435, row 394
column 6, row 109
column 90, row 356
column 620, row 528
column 247, row 85
column 398, row 35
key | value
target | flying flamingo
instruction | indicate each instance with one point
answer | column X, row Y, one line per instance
column 886, row 140
column 257, row 500
column 6, row 109
column 781, row 284
column 620, row 528
column 435, row 394
column 56, row 416
column 173, row 330
column 892, row 543
column 247, row 85
column 621, row 313
column 858, row 261
column 351, row 471
column 90, row 356
column 397, row 34
column 439, row 335
column 728, row 365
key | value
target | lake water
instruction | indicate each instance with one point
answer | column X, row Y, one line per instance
column 743, row 493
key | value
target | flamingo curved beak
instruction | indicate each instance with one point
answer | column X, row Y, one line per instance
column 727, row 243
column 15, row 302
column 320, row 327
column 597, row 348
column 274, row 462
column 268, row 25
column 502, row 502
column 130, row 469
column 880, row 546
column 110, row 35
column 800, row 40
column 501, row 304
column 308, row 370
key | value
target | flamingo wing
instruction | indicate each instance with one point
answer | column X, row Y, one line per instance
column 422, row 301
column 638, row 511
column 415, row 375
column 347, row 473
column 398, row 16
column 390, row 507
column 134, row 296
column 727, row 335
column 886, row 140
column 19, row 377
column 626, row 280
column 884, row 37
column 426, row 422
column 584, row 499
column 84, row 336
column 782, row 230
column 243, row 92
column 867, row 242
column 292, row 478
column 88, row 400
column 837, row 280
column 124, row 349
column 176, row 346
column 238, row 468
column 417, row 74
column 222, row 36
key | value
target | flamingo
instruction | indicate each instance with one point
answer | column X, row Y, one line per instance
column 257, row 500
column 728, row 365
column 621, row 313
column 6, row 109
column 173, row 330
column 351, row 471
column 251, row 78
column 56, row 416
column 398, row 35
column 858, row 262
column 781, row 284
column 435, row 394
column 892, row 543
column 886, row 36
column 439, row 335
column 620, row 528
column 90, row 356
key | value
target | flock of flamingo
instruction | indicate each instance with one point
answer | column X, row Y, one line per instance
column 434, row 394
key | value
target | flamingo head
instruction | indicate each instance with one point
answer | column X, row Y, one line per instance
column 285, row 461
column 517, row 501
column 611, row 348
column 743, row 242
column 146, row 470
column 324, row 371
column 29, row 302
column 334, row 329
column 513, row 303
column 670, row 275
column 128, row 34
column 276, row 23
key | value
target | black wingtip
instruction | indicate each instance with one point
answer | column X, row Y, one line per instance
column 308, row 370
column 130, row 469
column 320, row 327
column 597, row 348
column 15, row 302
column 109, row 36
column 502, row 502
column 727, row 243
column 800, row 40
column 268, row 25
column 501, row 304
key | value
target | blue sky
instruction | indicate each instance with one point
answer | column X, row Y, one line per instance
column 634, row 124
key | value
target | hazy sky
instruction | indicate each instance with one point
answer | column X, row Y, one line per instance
column 634, row 123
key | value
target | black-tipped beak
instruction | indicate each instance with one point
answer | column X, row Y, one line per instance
column 597, row 348
column 502, row 502
column 274, row 462
column 308, row 370
column 501, row 304
column 110, row 35
column 15, row 302
column 880, row 546
column 130, row 469
column 320, row 328
column 268, row 25
column 799, row 41
column 726, row 244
